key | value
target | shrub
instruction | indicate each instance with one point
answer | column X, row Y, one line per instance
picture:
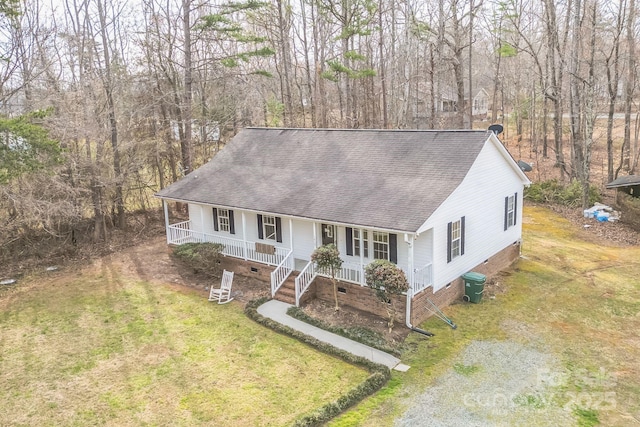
column 202, row 257
column 553, row 191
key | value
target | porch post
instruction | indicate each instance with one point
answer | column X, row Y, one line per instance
column 315, row 235
column 165, row 208
column 244, row 236
column 363, row 282
column 410, row 261
column 291, row 233
column 204, row 238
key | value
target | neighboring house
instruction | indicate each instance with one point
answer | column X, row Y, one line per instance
column 436, row 203
column 480, row 104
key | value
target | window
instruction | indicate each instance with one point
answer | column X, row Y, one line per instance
column 328, row 234
column 380, row 245
column 385, row 245
column 511, row 220
column 223, row 220
column 357, row 242
column 269, row 227
column 510, row 211
column 455, row 239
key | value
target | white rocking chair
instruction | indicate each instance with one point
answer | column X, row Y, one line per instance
column 223, row 295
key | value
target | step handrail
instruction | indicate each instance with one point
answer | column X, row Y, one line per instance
column 304, row 279
column 280, row 274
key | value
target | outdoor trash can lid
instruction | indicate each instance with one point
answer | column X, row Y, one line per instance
column 474, row 277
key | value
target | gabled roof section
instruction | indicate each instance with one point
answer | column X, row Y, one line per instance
column 625, row 181
column 388, row 179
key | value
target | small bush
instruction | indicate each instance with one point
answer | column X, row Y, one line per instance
column 202, row 257
column 553, row 191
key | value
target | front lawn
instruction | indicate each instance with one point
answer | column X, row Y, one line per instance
column 103, row 348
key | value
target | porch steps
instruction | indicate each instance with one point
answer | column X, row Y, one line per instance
column 287, row 292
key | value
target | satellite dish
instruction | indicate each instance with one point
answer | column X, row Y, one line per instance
column 497, row 129
column 526, row 167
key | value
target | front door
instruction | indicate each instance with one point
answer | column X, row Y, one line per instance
column 328, row 234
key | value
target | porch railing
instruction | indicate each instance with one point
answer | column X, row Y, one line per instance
column 304, row 279
column 280, row 274
column 422, row 278
column 181, row 233
column 350, row 272
column 282, row 258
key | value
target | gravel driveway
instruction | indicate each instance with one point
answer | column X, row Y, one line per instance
column 492, row 384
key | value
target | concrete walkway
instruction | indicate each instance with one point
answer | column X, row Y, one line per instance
column 277, row 311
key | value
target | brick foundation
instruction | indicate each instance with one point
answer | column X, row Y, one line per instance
column 360, row 297
column 248, row 268
column 455, row 290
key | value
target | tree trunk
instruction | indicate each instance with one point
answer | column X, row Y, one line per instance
column 630, row 87
column 382, row 65
column 185, row 142
column 113, row 125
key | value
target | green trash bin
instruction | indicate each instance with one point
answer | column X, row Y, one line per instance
column 473, row 286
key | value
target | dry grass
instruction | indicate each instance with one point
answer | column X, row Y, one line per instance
column 574, row 299
column 100, row 348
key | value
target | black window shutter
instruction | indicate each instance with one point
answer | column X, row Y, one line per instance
column 449, row 242
column 393, row 248
column 279, row 229
column 506, row 213
column 260, row 231
column 462, row 236
column 515, row 208
column 232, row 223
column 349, row 231
column 215, row 219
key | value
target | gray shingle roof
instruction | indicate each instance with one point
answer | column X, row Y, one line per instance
column 625, row 181
column 390, row 179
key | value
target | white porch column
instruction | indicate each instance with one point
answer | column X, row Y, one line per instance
column 165, row 208
column 363, row 282
column 245, row 250
column 204, row 239
column 410, row 261
column 291, row 234
column 315, row 235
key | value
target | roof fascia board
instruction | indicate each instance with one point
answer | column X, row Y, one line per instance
column 509, row 158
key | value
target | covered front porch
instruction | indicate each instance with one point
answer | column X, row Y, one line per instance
column 290, row 254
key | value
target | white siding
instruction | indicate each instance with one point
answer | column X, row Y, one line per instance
column 251, row 220
column 195, row 216
column 303, row 244
column 423, row 249
column 207, row 226
column 480, row 199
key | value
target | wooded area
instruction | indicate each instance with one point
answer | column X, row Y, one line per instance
column 105, row 102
